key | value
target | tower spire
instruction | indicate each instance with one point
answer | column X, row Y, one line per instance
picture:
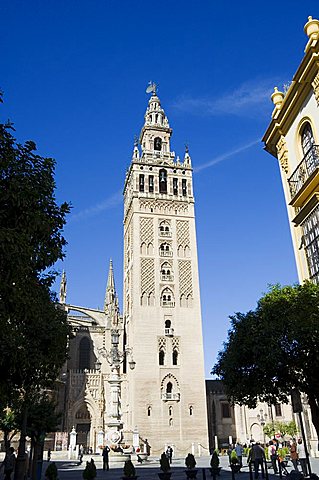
column 110, row 295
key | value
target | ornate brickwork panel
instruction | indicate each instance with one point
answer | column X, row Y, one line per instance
column 162, row 343
column 185, row 277
column 147, row 275
column 315, row 85
column 146, row 230
column 175, row 343
column 162, row 206
column 283, row 153
column 182, row 228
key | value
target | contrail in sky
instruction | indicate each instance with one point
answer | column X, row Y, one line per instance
column 116, row 199
column 110, row 202
column 225, row 156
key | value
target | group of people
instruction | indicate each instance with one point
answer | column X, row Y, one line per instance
column 257, row 456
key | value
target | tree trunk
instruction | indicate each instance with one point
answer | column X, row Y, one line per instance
column 37, row 458
column 21, row 462
column 314, row 408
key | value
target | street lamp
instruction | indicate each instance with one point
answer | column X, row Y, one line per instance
column 115, row 357
column 262, row 419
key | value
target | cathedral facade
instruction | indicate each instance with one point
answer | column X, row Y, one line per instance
column 140, row 375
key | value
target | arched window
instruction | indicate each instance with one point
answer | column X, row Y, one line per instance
column 307, row 139
column 157, row 141
column 175, row 356
column 161, row 357
column 169, row 387
column 84, row 354
column 191, row 410
column 164, row 229
column 149, row 409
column 162, row 181
column 170, row 411
column 170, row 422
column 168, row 324
column 167, row 299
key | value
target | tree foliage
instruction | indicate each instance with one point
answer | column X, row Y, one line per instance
column 33, row 330
column 274, row 348
column 284, row 428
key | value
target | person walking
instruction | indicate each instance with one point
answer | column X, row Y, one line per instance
column 9, row 463
column 239, row 452
column 301, row 452
column 105, row 455
column 257, row 456
column 169, row 453
column 294, row 454
column 81, row 453
column 272, row 454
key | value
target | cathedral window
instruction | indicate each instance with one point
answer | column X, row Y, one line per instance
column 184, row 187
column 175, row 356
column 175, row 186
column 167, row 299
column 170, row 411
column 141, row 183
column 162, row 181
column 161, row 357
column 157, row 143
column 187, row 251
column 149, row 410
column 166, row 272
column 165, row 250
column 191, row 410
column 151, row 183
column 144, row 299
column 226, row 413
column 169, row 387
column 170, row 422
column 84, row 354
column 164, row 229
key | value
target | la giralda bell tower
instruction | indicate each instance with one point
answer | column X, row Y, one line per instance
column 166, row 400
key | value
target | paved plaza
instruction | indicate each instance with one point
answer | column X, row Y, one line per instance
column 71, row 470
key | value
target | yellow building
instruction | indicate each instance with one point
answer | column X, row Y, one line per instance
column 293, row 137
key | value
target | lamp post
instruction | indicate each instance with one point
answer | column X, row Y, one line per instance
column 262, row 419
column 115, row 357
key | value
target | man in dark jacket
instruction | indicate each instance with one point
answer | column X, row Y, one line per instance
column 257, row 456
column 105, row 455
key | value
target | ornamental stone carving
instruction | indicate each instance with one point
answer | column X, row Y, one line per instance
column 315, row 86
column 147, row 275
column 185, row 278
column 282, row 151
column 182, row 227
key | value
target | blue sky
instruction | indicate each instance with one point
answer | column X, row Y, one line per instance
column 74, row 75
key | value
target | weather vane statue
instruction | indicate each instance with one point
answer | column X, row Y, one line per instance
column 152, row 87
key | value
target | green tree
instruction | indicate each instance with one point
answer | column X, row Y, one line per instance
column 33, row 330
column 274, row 348
column 284, row 428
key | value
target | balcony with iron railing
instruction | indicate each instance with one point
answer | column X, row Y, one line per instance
column 170, row 396
column 165, row 233
column 168, row 303
column 166, row 253
column 167, row 278
column 304, row 170
column 169, row 332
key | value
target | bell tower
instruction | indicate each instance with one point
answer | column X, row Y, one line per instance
column 166, row 399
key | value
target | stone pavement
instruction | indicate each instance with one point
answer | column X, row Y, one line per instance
column 71, row 470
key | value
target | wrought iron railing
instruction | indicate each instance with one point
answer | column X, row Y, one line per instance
column 169, row 332
column 305, row 168
column 167, row 278
column 170, row 396
column 166, row 253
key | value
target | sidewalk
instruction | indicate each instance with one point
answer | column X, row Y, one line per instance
column 71, row 470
